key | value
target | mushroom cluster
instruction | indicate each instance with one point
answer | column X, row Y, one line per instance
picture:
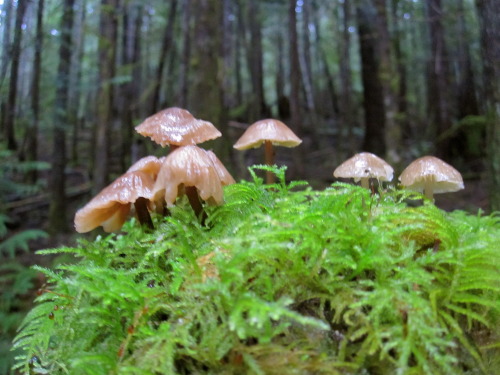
column 151, row 183
column 428, row 175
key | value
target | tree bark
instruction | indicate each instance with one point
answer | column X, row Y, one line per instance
column 32, row 133
column 374, row 140
column 389, row 79
column 57, row 210
column 107, row 53
column 489, row 11
column 185, row 54
column 14, row 75
column 206, row 98
column 439, row 80
column 165, row 48
column 255, row 62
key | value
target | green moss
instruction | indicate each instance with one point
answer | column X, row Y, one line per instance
column 280, row 281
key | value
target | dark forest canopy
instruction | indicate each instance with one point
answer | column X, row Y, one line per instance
column 400, row 78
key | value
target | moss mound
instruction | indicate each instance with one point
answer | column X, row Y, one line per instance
column 279, row 281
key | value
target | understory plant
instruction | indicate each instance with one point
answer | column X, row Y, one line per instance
column 281, row 279
column 16, row 279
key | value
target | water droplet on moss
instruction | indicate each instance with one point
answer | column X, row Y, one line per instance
column 151, row 284
column 51, row 315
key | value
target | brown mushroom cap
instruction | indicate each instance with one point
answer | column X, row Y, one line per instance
column 365, row 165
column 176, row 126
column 431, row 171
column 191, row 166
column 148, row 164
column 223, row 173
column 111, row 206
column 267, row 130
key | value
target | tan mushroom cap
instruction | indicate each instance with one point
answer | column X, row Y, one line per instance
column 111, row 206
column 148, row 164
column 192, row 166
column 429, row 171
column 176, row 126
column 365, row 165
column 267, row 130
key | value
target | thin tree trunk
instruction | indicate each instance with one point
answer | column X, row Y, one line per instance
column 388, row 78
column 14, row 75
column 6, row 45
column 186, row 53
column 107, row 53
column 295, row 79
column 347, row 117
column 305, row 57
column 488, row 11
column 165, row 48
column 438, row 85
column 374, row 140
column 57, row 211
column 256, row 62
column 32, row 135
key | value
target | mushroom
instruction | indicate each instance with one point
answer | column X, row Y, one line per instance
column 151, row 165
column 111, row 206
column 177, row 127
column 148, row 164
column 270, row 132
column 362, row 167
column 431, row 175
column 195, row 172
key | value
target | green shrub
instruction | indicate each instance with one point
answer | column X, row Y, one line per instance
column 280, row 281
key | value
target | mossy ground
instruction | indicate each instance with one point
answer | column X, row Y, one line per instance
column 279, row 281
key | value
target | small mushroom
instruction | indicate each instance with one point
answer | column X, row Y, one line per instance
column 111, row 206
column 195, row 172
column 177, row 127
column 270, row 132
column 431, row 175
column 362, row 167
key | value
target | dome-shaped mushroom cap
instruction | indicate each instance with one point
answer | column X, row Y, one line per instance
column 111, row 206
column 176, row 126
column 224, row 175
column 191, row 166
column 364, row 165
column 267, row 130
column 148, row 164
column 444, row 178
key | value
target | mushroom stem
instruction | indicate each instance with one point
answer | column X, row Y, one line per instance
column 365, row 182
column 141, row 208
column 194, row 201
column 428, row 191
column 269, row 160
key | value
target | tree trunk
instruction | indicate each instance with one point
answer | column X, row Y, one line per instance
column 305, row 58
column 7, row 15
column 165, row 48
column 438, row 84
column 374, row 140
column 256, row 62
column 389, row 80
column 57, row 210
column 186, row 54
column 295, row 79
column 489, row 11
column 347, row 116
column 206, row 92
column 32, row 131
column 107, row 53
column 14, row 75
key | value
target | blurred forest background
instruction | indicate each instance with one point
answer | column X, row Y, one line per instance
column 399, row 78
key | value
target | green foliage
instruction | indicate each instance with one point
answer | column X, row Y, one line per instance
column 16, row 280
column 280, row 281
